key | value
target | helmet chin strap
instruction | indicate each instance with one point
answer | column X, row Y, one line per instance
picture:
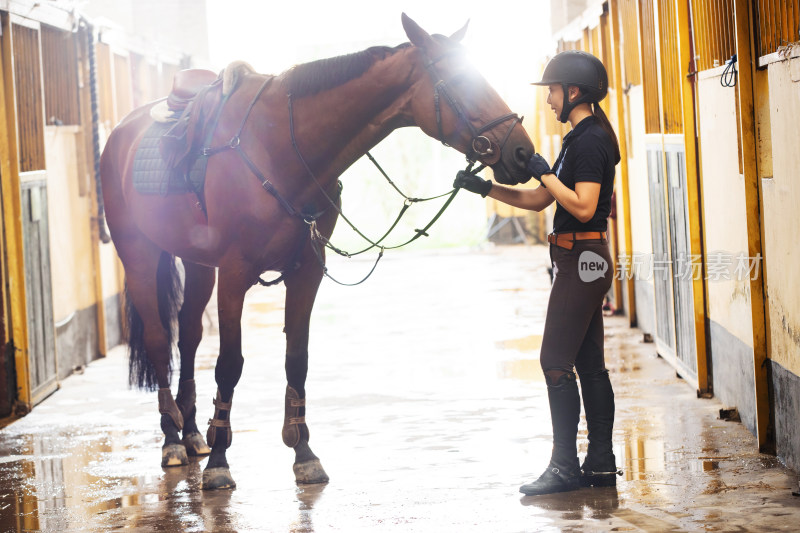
column 568, row 106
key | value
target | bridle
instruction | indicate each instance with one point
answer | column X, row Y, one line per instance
column 481, row 145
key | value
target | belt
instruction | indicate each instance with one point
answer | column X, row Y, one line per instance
column 567, row 240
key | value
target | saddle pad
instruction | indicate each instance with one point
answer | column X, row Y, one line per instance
column 150, row 172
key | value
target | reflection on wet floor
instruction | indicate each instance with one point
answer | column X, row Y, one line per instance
column 529, row 343
column 428, row 411
column 525, row 369
column 640, row 457
column 78, row 482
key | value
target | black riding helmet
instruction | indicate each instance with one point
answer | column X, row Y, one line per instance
column 582, row 69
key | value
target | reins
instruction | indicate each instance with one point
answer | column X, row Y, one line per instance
column 317, row 237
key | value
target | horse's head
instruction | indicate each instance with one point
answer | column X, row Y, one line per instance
column 456, row 105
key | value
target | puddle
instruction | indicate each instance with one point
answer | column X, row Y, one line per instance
column 527, row 369
column 523, row 369
column 88, row 477
column 640, row 456
column 531, row 343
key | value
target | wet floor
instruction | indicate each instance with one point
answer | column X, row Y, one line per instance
column 428, row 409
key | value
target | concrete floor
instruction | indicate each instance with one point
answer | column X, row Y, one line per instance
column 428, row 409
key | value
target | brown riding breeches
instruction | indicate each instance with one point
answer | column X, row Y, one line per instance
column 573, row 331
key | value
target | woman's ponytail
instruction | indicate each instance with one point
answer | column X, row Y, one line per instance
column 606, row 125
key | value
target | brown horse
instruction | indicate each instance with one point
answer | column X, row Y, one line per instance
column 293, row 135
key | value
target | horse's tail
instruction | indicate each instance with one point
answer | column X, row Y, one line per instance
column 141, row 372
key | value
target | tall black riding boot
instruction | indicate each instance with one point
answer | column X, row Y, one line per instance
column 563, row 472
column 599, row 469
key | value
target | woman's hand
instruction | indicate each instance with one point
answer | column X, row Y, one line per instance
column 472, row 183
column 537, row 166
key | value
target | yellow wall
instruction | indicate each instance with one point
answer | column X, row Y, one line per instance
column 70, row 223
column 638, row 184
column 781, row 198
column 113, row 276
column 70, row 210
column 111, row 267
column 621, row 229
column 723, row 196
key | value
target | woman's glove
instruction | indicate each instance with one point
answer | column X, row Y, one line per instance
column 472, row 183
column 538, row 167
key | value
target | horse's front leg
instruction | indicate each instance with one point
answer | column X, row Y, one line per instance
column 234, row 280
column 301, row 290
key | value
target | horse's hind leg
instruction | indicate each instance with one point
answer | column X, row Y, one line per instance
column 152, row 287
column 150, row 277
column 301, row 290
column 199, row 285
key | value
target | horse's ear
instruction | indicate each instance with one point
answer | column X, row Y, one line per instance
column 459, row 35
column 415, row 33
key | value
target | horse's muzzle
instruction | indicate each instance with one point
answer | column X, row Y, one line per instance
column 510, row 169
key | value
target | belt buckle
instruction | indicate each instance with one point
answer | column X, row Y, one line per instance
column 563, row 240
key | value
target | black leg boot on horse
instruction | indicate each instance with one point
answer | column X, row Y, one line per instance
column 599, row 469
column 562, row 473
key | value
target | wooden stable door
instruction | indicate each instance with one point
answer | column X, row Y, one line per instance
column 41, row 326
column 30, row 122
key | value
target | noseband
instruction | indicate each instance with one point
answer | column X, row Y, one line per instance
column 481, row 145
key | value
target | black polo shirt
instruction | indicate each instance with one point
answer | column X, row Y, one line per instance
column 587, row 154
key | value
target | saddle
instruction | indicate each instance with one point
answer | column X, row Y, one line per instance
column 197, row 99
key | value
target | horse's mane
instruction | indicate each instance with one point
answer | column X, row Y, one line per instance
column 316, row 76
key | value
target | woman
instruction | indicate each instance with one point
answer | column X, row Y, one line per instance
column 582, row 182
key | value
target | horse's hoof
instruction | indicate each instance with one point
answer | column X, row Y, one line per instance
column 310, row 472
column 174, row 455
column 217, row 478
column 195, row 445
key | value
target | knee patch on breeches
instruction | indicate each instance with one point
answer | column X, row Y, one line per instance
column 556, row 377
